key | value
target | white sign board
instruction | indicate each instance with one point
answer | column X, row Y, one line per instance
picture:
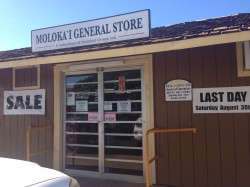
column 111, row 29
column 24, row 102
column 178, row 90
column 221, row 100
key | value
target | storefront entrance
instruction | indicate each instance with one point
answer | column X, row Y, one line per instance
column 103, row 123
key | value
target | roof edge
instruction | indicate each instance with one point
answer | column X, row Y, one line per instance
column 130, row 51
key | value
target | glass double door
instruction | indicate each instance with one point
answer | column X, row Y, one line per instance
column 104, row 123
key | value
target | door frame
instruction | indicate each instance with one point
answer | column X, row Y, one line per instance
column 101, row 134
column 145, row 61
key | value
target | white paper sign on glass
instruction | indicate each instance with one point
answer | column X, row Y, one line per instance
column 82, row 106
column 124, row 106
column 82, row 95
column 108, row 106
column 221, row 100
column 71, row 99
column 26, row 102
column 105, row 30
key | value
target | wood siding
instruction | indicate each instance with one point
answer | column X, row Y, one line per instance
column 218, row 154
column 13, row 128
column 24, row 74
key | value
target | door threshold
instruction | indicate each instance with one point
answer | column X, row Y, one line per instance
column 97, row 182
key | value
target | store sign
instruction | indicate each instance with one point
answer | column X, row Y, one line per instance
column 178, row 90
column 112, row 29
column 221, row 100
column 24, row 102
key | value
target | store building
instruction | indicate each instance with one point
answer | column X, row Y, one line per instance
column 101, row 99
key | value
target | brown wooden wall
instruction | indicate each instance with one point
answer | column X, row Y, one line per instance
column 218, row 154
column 13, row 128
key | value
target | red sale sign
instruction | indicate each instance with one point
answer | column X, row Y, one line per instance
column 122, row 81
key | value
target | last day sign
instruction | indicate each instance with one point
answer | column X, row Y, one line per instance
column 221, row 100
column 24, row 102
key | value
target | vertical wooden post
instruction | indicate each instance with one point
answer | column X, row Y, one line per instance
column 28, row 144
column 147, row 160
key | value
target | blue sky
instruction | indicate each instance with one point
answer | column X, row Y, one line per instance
column 19, row 17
